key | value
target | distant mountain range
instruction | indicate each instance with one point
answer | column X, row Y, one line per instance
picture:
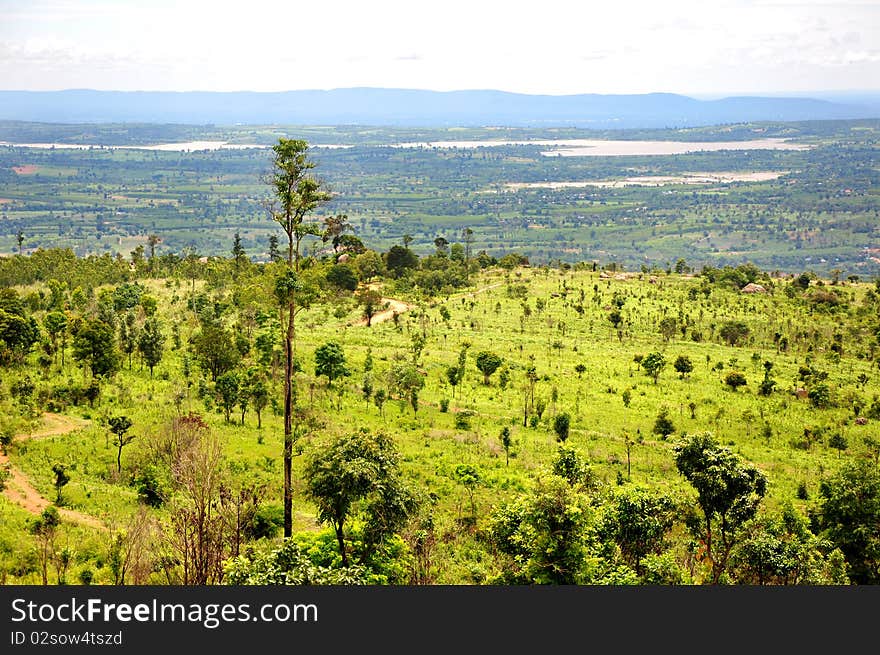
column 411, row 107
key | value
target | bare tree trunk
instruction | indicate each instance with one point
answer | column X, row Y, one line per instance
column 288, row 426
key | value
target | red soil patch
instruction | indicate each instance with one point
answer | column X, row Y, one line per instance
column 28, row 169
column 19, row 489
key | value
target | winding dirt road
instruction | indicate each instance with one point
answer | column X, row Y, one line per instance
column 399, row 306
column 19, row 489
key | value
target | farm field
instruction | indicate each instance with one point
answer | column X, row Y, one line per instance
column 810, row 206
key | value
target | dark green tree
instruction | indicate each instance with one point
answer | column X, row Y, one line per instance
column 638, row 520
column 734, row 332
column 359, row 471
column 330, row 361
column 214, row 350
column 56, row 326
column 342, row 277
column 238, row 254
column 735, row 380
column 729, row 492
column 561, row 425
column 119, row 426
column 653, row 363
column 849, row 515
column 151, row 343
column 683, row 366
column 61, row 480
column 94, row 345
column 399, row 260
column 468, row 476
column 488, row 362
column 506, row 443
column 663, row 425
column 228, row 388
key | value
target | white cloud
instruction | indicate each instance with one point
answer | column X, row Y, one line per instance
column 555, row 46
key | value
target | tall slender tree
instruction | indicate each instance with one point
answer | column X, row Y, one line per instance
column 296, row 192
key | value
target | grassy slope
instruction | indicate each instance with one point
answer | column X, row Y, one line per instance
column 430, row 443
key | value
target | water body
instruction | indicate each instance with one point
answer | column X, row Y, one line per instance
column 655, row 180
column 188, row 146
column 559, row 147
column 614, row 148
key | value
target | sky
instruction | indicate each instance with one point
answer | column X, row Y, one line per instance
column 557, row 47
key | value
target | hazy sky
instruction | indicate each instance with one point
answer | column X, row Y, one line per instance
column 541, row 46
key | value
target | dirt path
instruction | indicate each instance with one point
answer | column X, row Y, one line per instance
column 387, row 314
column 399, row 306
column 471, row 294
column 19, row 489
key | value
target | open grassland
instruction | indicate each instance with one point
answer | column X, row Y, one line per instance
column 557, row 320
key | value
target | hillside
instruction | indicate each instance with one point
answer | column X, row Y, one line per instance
column 414, row 107
column 600, row 378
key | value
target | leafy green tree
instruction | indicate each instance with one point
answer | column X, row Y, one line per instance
column 258, row 393
column 663, row 424
column 453, row 376
column 668, row 327
column 767, row 384
column 238, row 254
column 342, row 277
column 372, row 303
column 119, row 426
column 369, row 265
column 18, row 333
column 45, row 528
column 545, row 535
column 379, row 399
column 399, row 260
column 733, row 332
column 61, row 480
column 228, row 387
column 838, row 442
column 638, row 520
column 487, row 363
column 94, row 345
column 781, row 550
column 406, row 381
column 360, row 469
column 571, row 467
column 214, row 350
column 683, row 366
column 506, row 443
column 330, row 361
column 561, row 425
column 615, row 317
column 274, row 253
column 735, row 380
column 56, row 326
column 729, row 492
column 849, row 515
column 653, row 363
column 468, row 476
column 296, row 192
column 128, row 336
column 820, row 396
column 151, row 343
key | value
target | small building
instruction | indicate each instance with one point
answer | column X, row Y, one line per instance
column 751, row 287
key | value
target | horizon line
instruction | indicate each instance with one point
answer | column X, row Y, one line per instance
column 696, row 95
